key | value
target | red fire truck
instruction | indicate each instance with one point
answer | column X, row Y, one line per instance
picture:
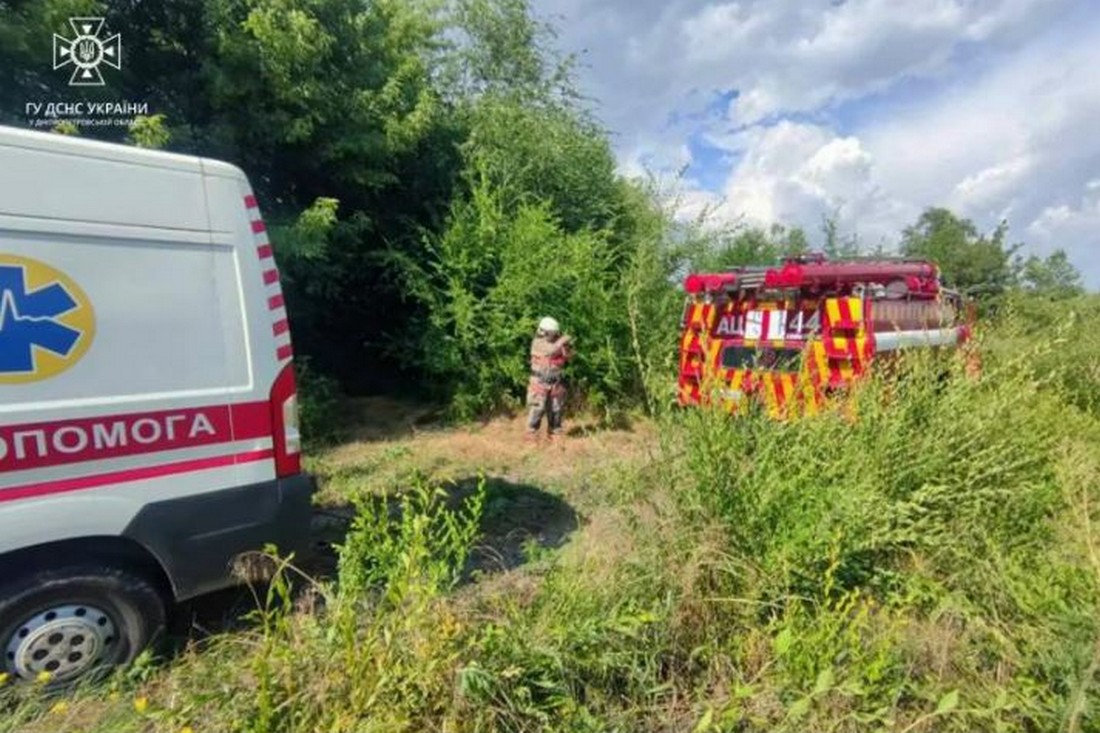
column 792, row 334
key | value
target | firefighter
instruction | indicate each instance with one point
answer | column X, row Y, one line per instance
column 546, row 388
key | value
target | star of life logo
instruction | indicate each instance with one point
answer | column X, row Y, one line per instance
column 46, row 321
column 86, row 51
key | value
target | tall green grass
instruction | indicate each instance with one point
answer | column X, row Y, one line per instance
column 923, row 557
column 920, row 560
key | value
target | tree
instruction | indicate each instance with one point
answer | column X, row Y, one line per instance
column 1053, row 277
column 835, row 246
column 970, row 261
column 26, row 37
column 502, row 49
column 544, row 153
column 430, row 180
column 334, row 100
column 149, row 132
column 755, row 245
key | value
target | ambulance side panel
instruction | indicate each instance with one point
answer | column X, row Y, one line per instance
column 158, row 428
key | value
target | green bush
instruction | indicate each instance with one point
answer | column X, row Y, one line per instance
column 936, row 510
column 496, row 271
column 1062, row 341
column 319, row 398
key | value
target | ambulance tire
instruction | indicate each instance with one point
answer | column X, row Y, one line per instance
column 111, row 610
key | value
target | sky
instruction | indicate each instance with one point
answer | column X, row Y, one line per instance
column 866, row 111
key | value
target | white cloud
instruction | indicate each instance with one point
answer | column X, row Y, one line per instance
column 869, row 110
column 860, row 47
column 1056, row 226
column 799, row 173
column 782, row 172
column 994, row 184
column 646, row 56
column 1015, row 143
column 656, row 155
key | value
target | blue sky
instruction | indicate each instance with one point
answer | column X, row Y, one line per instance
column 864, row 110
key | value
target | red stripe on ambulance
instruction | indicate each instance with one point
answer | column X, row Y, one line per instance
column 266, row 253
column 37, row 445
column 133, row 474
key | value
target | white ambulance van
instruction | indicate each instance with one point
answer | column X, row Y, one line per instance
column 148, row 414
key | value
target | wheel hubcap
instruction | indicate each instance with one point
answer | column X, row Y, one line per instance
column 64, row 641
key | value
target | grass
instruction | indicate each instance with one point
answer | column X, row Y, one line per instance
column 925, row 559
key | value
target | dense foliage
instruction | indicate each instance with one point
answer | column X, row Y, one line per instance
column 985, row 266
column 434, row 185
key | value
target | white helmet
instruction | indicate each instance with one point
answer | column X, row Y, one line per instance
column 549, row 325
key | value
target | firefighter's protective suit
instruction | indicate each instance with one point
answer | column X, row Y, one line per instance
column 546, row 388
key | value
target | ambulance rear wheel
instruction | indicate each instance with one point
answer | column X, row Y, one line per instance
column 76, row 623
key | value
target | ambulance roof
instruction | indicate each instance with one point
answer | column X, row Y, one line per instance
column 75, row 145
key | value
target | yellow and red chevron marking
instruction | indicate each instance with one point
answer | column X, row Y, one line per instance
column 689, row 392
column 702, row 316
column 815, row 374
column 844, row 334
column 778, row 391
column 689, row 339
column 829, row 361
column 846, row 313
column 691, row 351
column 690, row 348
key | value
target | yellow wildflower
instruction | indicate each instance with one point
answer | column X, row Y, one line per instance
column 44, row 677
column 4, row 676
column 59, row 708
column 187, row 729
column 141, row 704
